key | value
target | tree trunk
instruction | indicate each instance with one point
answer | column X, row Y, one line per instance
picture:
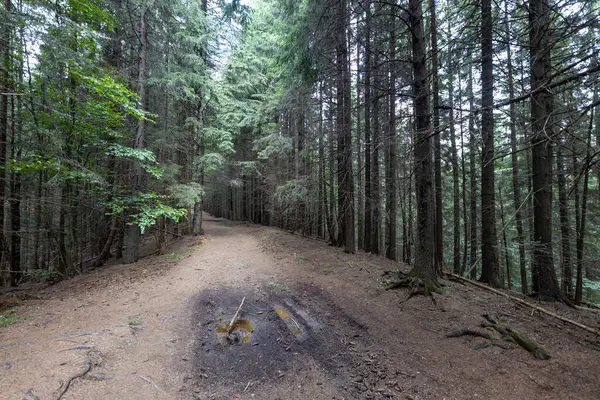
column 506, row 257
column 367, row 90
column 582, row 219
column 15, row 206
column 437, row 143
column 514, row 159
column 334, row 231
column 490, row 269
column 455, row 171
column 565, row 229
column 5, row 51
column 359, row 175
column 345, row 133
column 473, row 181
column 132, row 231
column 390, row 179
column 424, row 265
column 375, row 182
column 543, row 273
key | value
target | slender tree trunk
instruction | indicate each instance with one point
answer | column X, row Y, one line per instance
column 490, row 268
column 565, row 229
column 582, row 220
column 463, row 168
column 437, row 146
column 368, row 247
column 391, row 187
column 359, row 175
column 197, row 220
column 349, row 223
column 15, row 206
column 132, row 231
column 543, row 273
column 322, row 200
column 5, row 50
column 473, row 182
column 375, row 167
column 424, row 266
column 514, row 159
column 334, row 232
column 455, row 170
column 506, row 257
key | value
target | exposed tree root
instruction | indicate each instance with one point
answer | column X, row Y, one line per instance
column 506, row 332
column 415, row 285
column 520, row 338
column 65, row 387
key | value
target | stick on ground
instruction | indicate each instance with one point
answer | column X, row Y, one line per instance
column 230, row 326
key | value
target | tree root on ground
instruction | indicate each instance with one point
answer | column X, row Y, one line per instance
column 65, row 387
column 417, row 286
column 507, row 333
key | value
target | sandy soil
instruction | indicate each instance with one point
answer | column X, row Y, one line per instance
column 318, row 325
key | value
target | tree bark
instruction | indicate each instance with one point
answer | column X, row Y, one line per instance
column 514, row 158
column 506, row 256
column 376, row 144
column 473, row 181
column 132, row 230
column 437, row 146
column 359, row 175
column 390, row 179
column 5, row 48
column 455, row 169
column 15, row 206
column 424, row 265
column 490, row 269
column 367, row 94
column 581, row 228
column 565, row 229
column 544, row 278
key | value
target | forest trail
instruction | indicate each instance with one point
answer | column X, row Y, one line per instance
column 322, row 328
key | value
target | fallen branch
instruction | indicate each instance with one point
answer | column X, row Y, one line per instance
column 527, row 304
column 521, row 339
column 230, row 326
column 88, row 368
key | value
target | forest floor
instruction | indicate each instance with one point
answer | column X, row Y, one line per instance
column 316, row 324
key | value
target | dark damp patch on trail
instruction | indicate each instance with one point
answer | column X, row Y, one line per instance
column 280, row 334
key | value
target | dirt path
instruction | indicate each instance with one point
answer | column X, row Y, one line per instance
column 316, row 325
